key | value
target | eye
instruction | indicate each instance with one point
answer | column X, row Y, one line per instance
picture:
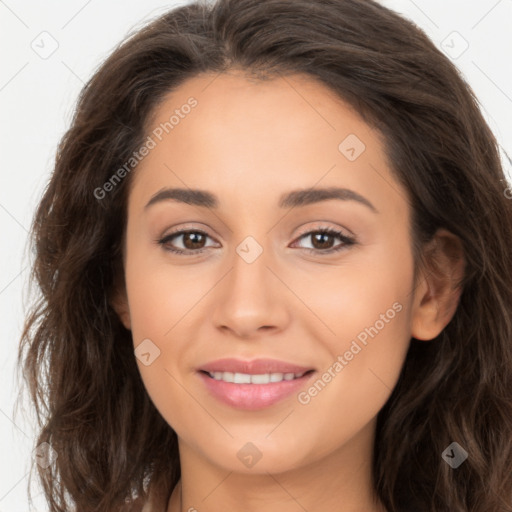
column 193, row 240
column 322, row 239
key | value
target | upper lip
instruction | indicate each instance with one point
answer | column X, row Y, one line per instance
column 254, row 367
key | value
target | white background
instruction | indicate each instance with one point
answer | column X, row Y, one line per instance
column 37, row 96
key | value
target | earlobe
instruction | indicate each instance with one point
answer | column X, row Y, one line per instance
column 438, row 294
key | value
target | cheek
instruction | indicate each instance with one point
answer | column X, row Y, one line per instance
column 161, row 300
column 363, row 366
column 159, row 294
column 369, row 313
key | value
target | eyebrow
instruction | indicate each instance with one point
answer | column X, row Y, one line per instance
column 292, row 199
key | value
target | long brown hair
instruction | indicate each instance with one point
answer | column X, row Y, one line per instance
column 77, row 357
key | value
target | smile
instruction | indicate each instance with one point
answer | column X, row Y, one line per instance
column 253, row 391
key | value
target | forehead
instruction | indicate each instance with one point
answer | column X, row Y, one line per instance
column 273, row 104
column 241, row 134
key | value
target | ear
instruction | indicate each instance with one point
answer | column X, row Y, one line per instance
column 119, row 301
column 437, row 295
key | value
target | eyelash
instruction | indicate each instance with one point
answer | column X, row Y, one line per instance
column 347, row 241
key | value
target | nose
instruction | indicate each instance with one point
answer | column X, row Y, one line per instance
column 251, row 300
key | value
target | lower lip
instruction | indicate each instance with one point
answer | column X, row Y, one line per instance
column 253, row 396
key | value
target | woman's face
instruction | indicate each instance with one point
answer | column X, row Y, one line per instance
column 261, row 279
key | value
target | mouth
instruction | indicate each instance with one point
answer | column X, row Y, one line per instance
column 251, row 392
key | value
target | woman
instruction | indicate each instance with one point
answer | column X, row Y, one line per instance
column 189, row 352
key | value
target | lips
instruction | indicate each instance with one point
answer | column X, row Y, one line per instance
column 253, row 396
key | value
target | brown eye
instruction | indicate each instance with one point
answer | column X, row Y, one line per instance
column 192, row 240
column 322, row 240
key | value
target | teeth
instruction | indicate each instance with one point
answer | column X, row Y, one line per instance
column 245, row 378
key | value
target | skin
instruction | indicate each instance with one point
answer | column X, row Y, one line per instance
column 248, row 142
